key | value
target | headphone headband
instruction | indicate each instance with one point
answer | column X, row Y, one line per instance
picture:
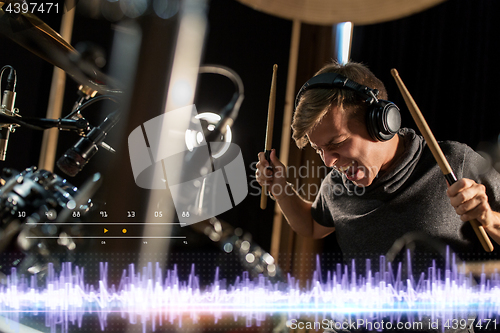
column 329, row 80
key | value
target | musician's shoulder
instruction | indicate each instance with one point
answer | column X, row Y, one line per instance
column 451, row 148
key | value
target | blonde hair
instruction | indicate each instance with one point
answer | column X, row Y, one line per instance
column 314, row 104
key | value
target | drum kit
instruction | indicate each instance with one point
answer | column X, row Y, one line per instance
column 35, row 205
column 33, row 197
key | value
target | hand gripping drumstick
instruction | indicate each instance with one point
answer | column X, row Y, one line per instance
column 437, row 153
column 269, row 132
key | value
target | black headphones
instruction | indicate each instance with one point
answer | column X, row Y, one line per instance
column 383, row 119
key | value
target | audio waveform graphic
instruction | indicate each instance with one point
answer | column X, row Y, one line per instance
column 149, row 298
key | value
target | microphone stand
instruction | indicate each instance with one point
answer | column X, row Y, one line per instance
column 62, row 124
column 41, row 124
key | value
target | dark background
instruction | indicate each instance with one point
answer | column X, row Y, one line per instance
column 447, row 57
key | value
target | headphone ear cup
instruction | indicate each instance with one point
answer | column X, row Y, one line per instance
column 371, row 122
column 383, row 120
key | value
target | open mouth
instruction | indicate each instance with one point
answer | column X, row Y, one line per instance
column 351, row 171
column 345, row 168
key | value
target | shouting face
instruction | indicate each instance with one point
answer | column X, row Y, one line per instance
column 344, row 143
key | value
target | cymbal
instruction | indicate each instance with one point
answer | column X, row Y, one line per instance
column 327, row 12
column 27, row 30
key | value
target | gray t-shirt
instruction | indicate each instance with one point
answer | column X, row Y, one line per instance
column 410, row 197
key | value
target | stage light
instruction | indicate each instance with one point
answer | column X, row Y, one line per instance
column 343, row 37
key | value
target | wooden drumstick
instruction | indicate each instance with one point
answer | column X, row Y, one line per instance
column 437, row 153
column 269, row 132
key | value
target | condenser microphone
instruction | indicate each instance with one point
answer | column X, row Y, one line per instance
column 75, row 158
column 8, row 99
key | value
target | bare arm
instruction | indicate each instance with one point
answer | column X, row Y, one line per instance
column 296, row 210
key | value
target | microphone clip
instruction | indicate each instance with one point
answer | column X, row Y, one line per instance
column 7, row 108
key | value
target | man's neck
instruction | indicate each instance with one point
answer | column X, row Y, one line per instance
column 396, row 147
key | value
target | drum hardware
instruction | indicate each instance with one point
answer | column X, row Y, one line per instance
column 32, row 200
column 253, row 258
column 35, row 205
column 32, row 203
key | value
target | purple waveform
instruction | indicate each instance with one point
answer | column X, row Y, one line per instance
column 148, row 297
